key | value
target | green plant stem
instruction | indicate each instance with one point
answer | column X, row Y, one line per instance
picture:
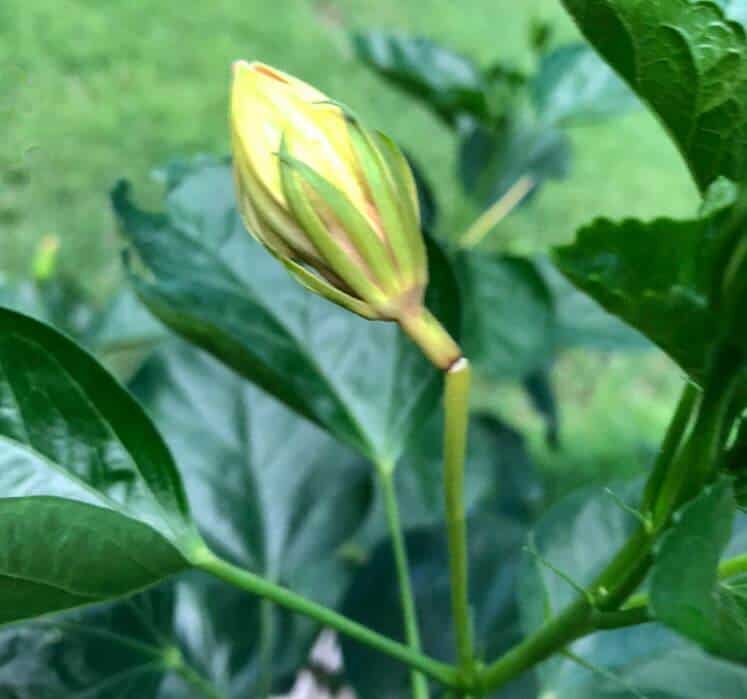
column 456, row 416
column 698, row 462
column 555, row 634
column 501, row 208
column 426, row 331
column 617, row 581
column 733, row 566
column 672, row 441
column 578, row 620
column 207, row 561
column 412, row 635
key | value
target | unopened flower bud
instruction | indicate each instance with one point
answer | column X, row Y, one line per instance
column 334, row 201
column 327, row 196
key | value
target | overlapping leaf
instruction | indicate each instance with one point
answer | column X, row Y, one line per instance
column 503, row 491
column 92, row 506
column 363, row 382
column 573, row 85
column 686, row 594
column 180, row 640
column 581, row 321
column 689, row 63
column 270, row 490
column 495, row 544
column 450, row 84
column 656, row 276
column 112, row 651
column 509, row 315
column 578, row 536
column 499, row 476
column 494, row 159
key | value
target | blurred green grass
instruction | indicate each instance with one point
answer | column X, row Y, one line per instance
column 96, row 91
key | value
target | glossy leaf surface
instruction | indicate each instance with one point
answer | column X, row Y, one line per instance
column 92, row 506
column 689, row 63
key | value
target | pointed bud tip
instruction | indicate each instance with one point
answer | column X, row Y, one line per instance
column 238, row 66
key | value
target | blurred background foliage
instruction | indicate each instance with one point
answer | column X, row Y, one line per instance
column 94, row 92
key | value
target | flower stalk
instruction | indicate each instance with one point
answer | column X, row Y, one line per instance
column 456, row 416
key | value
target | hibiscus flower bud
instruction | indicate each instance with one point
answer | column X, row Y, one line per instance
column 335, row 202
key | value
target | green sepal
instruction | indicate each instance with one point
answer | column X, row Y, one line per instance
column 361, row 233
column 323, row 288
column 405, row 182
column 335, row 256
column 264, row 218
column 402, row 180
column 383, row 189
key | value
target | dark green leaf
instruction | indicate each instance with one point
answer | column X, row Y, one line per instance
column 502, row 492
column 447, row 82
column 509, row 317
column 426, row 198
column 495, row 543
column 362, row 381
column 138, row 647
column 219, row 632
column 108, row 652
column 541, row 393
column 199, row 197
column 666, row 673
column 685, row 592
column 689, row 63
column 270, row 490
column 582, row 322
column 578, row 536
column 735, row 464
column 499, row 474
column 518, row 489
column 120, row 325
column 92, row 506
column 491, row 161
column 573, row 85
column 656, row 276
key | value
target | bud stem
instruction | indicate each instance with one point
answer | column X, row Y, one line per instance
column 425, row 330
column 456, row 420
